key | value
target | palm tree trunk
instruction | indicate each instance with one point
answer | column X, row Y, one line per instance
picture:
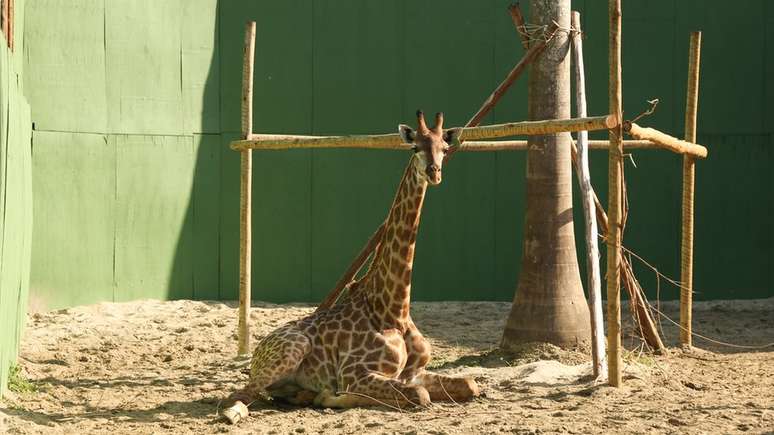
column 549, row 305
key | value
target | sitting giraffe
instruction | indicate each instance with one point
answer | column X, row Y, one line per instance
column 365, row 350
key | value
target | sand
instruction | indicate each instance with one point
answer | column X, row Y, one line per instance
column 162, row 367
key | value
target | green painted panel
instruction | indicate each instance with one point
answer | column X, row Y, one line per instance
column 733, row 237
column 73, row 266
column 734, row 109
column 7, row 316
column 15, row 208
column 206, row 217
column 509, row 204
column 229, row 219
column 661, row 76
column 143, row 61
column 768, row 86
column 283, row 69
column 154, row 182
column 201, row 66
column 460, row 215
column 18, row 215
column 356, row 80
column 281, row 225
column 509, row 193
column 65, row 64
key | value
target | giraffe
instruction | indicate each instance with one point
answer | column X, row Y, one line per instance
column 365, row 350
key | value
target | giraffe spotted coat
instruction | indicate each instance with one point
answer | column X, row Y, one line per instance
column 366, row 349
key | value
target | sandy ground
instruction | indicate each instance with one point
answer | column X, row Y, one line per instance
column 162, row 367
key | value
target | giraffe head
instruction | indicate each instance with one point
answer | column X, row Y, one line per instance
column 430, row 145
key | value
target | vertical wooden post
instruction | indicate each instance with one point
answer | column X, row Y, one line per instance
column 614, row 200
column 245, row 194
column 589, row 212
column 686, row 263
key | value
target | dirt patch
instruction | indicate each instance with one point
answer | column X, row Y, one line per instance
column 163, row 367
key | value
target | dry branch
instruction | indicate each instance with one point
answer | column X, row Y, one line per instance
column 664, row 140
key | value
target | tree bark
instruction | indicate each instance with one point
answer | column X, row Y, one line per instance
column 549, row 305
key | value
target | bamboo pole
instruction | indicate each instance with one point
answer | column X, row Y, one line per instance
column 393, row 141
column 665, row 141
column 614, row 200
column 518, row 23
column 245, row 194
column 689, row 168
column 587, row 199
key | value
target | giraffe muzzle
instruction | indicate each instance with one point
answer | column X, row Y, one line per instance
column 433, row 174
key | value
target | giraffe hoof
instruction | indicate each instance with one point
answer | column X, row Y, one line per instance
column 472, row 388
column 423, row 397
column 235, row 413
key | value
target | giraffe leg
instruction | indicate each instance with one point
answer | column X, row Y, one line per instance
column 276, row 357
column 447, row 388
column 290, row 392
column 375, row 389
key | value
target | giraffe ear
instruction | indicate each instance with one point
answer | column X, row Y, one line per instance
column 452, row 136
column 407, row 134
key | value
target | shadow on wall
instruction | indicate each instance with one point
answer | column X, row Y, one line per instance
column 196, row 261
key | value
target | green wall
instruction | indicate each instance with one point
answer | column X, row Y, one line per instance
column 15, row 198
column 134, row 103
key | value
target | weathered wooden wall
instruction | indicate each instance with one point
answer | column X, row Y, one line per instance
column 136, row 192
column 15, row 198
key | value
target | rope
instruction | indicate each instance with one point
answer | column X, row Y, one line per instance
column 679, row 285
column 712, row 340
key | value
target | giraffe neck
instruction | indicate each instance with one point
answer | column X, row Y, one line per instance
column 388, row 281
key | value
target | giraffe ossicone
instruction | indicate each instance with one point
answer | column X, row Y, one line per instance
column 366, row 349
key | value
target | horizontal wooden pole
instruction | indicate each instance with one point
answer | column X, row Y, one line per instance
column 490, row 145
column 521, row 145
column 664, row 140
column 393, row 141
